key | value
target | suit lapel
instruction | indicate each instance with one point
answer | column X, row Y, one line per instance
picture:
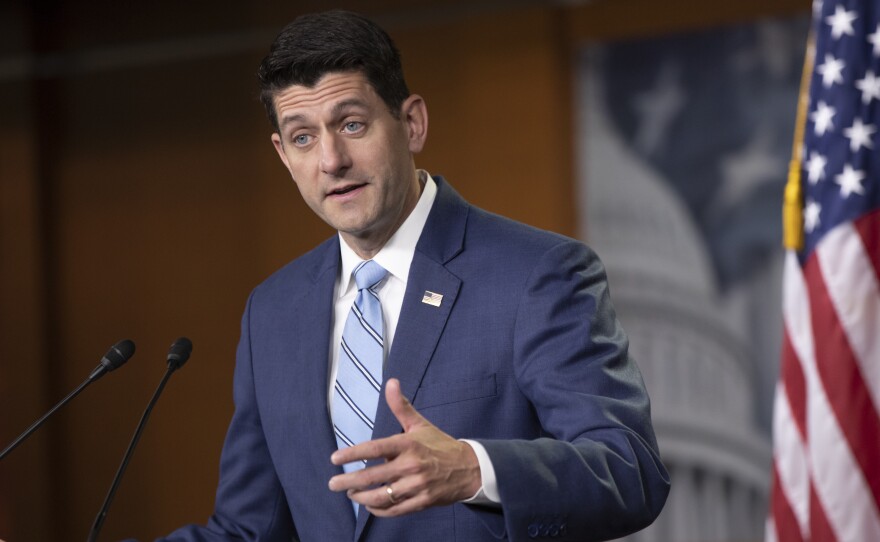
column 421, row 324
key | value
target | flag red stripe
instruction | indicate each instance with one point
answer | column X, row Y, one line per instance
column 795, row 384
column 842, row 380
column 868, row 227
column 787, row 529
column 790, row 460
column 820, row 528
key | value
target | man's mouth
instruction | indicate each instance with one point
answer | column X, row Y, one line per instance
column 345, row 189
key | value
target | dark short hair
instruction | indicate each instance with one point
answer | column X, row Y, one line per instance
column 333, row 41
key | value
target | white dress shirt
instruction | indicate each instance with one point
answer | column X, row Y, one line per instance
column 396, row 257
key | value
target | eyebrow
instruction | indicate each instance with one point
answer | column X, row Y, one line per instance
column 288, row 119
column 344, row 104
column 335, row 111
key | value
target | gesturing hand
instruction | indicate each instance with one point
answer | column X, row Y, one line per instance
column 423, row 465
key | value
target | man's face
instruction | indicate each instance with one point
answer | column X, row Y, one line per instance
column 349, row 157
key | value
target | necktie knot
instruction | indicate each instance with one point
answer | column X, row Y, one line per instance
column 368, row 274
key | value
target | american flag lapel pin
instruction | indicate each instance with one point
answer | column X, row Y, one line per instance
column 430, row 298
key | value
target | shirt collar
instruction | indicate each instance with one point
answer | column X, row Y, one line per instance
column 397, row 254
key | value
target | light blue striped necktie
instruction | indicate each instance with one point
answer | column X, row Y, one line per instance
column 359, row 370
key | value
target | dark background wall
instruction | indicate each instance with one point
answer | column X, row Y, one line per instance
column 140, row 197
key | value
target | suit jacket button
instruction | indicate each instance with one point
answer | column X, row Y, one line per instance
column 554, row 530
column 533, row 530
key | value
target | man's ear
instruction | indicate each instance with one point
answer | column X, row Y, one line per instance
column 279, row 148
column 414, row 113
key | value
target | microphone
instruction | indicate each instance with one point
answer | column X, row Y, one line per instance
column 118, row 354
column 178, row 354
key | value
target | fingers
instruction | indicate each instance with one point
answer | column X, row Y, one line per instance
column 388, row 448
column 365, row 478
column 406, row 414
column 393, row 499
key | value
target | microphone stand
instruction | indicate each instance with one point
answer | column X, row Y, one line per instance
column 102, row 514
column 36, row 425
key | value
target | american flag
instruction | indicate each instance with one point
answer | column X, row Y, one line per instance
column 826, row 427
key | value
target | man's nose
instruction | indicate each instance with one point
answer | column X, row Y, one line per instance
column 334, row 155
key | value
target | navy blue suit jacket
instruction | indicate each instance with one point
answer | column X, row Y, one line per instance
column 524, row 354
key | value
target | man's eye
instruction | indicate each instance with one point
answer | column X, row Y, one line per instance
column 353, row 126
column 301, row 139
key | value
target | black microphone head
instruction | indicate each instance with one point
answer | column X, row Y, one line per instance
column 118, row 354
column 179, row 352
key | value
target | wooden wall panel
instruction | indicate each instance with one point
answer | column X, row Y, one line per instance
column 24, row 388
column 25, row 474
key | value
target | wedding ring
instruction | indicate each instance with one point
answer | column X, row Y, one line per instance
column 390, row 493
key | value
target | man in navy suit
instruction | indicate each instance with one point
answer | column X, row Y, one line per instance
column 509, row 407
